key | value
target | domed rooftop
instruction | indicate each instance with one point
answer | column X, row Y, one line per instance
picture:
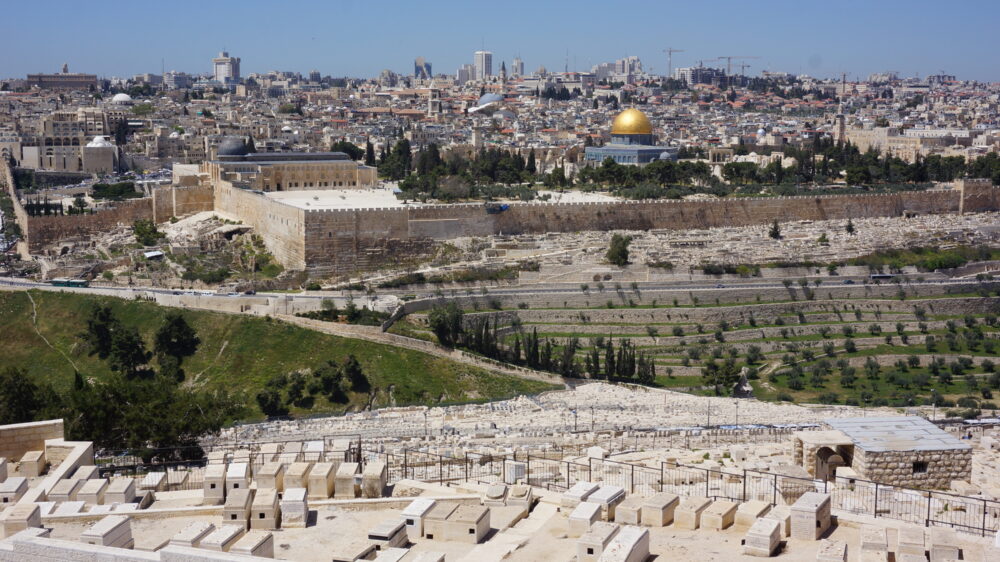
column 631, row 122
column 489, row 98
column 99, row 142
column 232, row 146
column 121, row 98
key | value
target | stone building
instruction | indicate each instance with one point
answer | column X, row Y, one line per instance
column 64, row 80
column 899, row 451
column 287, row 171
column 61, row 138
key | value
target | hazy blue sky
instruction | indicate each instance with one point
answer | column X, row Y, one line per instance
column 360, row 38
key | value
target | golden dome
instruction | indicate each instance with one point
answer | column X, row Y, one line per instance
column 631, row 122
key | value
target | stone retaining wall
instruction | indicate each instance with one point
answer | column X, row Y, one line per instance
column 899, row 468
column 19, row 438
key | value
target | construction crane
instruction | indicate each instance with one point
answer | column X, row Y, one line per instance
column 729, row 62
column 670, row 59
column 743, row 68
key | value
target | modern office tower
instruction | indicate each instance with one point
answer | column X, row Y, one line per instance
column 422, row 69
column 483, row 61
column 227, row 68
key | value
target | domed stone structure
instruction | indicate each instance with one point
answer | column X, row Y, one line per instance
column 121, row 99
column 232, row 146
column 632, row 142
column 631, row 122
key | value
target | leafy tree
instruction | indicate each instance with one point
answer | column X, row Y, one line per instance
column 350, row 149
column 446, row 323
column 355, row 375
column 173, row 342
column 20, row 398
column 618, row 250
column 270, row 402
column 128, row 353
column 775, row 231
column 849, row 228
column 145, row 232
column 101, row 324
column 369, row 153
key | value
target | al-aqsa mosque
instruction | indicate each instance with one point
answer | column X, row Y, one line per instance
column 632, row 142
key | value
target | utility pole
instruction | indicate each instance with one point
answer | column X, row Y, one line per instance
column 670, row 59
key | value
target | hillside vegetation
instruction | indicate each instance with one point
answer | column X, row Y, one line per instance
column 237, row 354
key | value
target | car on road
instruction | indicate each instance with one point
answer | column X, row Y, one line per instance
column 848, row 281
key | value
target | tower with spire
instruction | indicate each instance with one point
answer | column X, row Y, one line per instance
column 503, row 72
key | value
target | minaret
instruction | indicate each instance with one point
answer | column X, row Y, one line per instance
column 503, row 72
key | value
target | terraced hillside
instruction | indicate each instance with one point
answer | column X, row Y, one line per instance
column 878, row 345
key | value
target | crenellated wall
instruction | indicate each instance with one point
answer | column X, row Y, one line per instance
column 281, row 226
column 341, row 241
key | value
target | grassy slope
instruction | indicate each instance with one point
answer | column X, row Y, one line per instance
column 254, row 349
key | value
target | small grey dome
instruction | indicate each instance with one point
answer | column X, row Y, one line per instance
column 232, row 146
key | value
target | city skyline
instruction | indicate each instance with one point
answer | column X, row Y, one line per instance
column 857, row 38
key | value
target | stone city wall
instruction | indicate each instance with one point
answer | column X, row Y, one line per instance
column 175, row 201
column 20, row 215
column 896, row 468
column 343, row 240
column 281, row 226
column 166, row 202
column 46, row 230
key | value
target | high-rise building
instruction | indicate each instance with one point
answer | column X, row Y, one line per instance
column 226, row 68
column 483, row 61
column 422, row 69
column 314, row 76
column 517, row 67
column 465, row 73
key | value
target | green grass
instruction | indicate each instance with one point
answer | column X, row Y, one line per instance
column 239, row 353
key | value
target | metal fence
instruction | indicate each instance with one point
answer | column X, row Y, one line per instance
column 547, row 470
column 929, row 508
